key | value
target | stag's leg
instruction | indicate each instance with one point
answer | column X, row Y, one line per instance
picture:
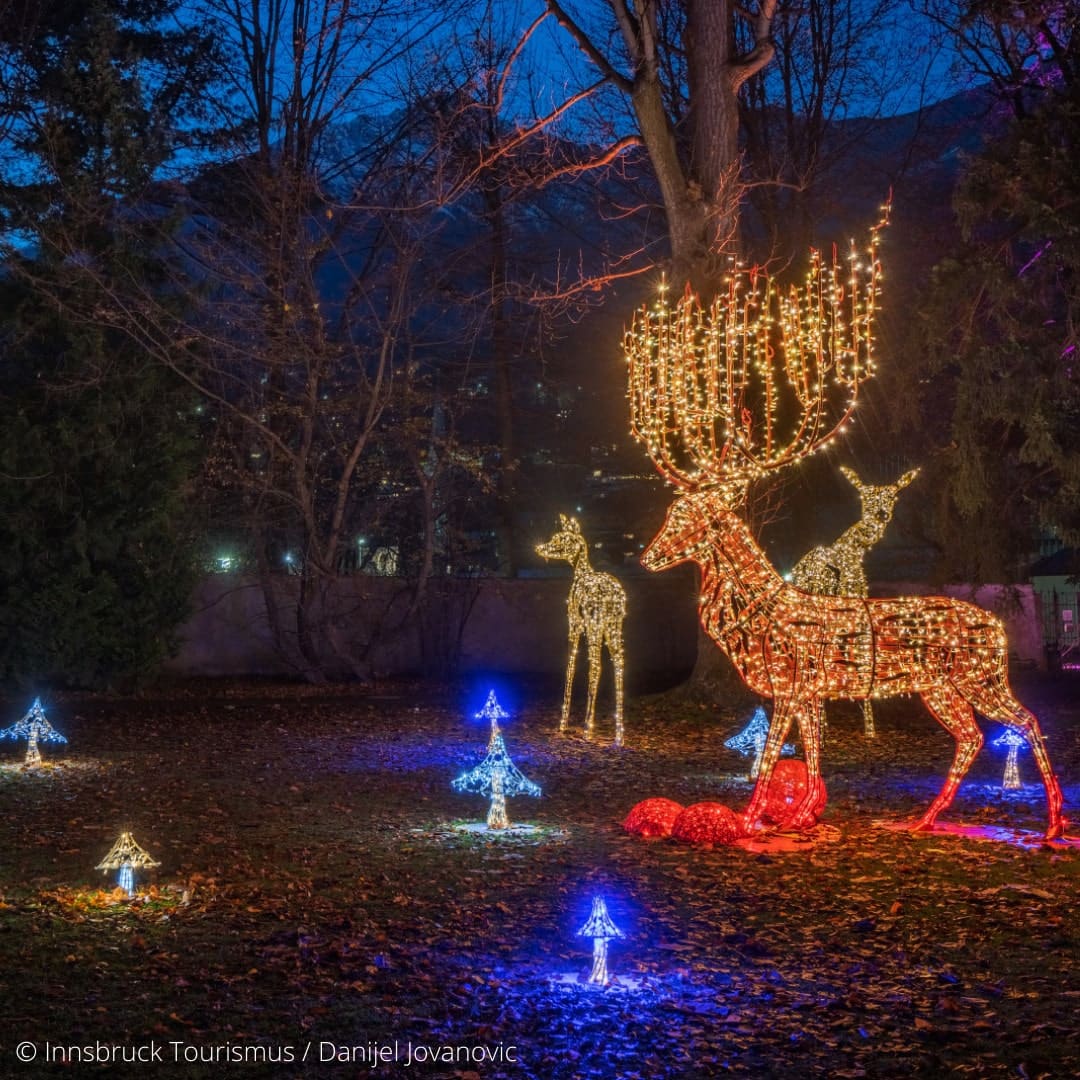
column 571, row 664
column 615, row 649
column 595, row 642
column 996, row 702
column 784, row 711
column 868, row 720
column 810, row 720
column 951, row 709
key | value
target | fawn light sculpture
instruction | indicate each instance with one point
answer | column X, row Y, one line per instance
column 838, row 569
column 704, row 393
column 596, row 608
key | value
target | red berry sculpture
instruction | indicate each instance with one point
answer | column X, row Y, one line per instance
column 707, row 823
column 653, row 817
column 787, row 788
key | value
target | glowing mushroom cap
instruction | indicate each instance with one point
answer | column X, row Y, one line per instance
column 492, row 710
column 511, row 781
column 756, row 730
column 599, row 924
column 125, row 850
column 1010, row 738
column 34, row 722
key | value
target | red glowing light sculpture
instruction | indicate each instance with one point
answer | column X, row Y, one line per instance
column 653, row 817
column 705, row 388
column 707, row 823
column 787, row 790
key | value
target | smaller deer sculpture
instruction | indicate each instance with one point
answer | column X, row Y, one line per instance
column 839, row 569
column 596, row 608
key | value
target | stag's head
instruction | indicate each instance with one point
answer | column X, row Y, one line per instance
column 760, row 380
column 877, row 504
column 567, row 543
column 688, row 533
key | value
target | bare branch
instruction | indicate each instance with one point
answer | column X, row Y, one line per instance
column 584, row 42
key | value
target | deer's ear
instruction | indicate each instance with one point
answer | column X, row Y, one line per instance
column 564, row 521
column 907, row 478
column 852, row 476
column 573, row 526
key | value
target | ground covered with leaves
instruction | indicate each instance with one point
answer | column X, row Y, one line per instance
column 323, row 908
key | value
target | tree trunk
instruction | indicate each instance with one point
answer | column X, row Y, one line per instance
column 307, row 619
column 501, row 363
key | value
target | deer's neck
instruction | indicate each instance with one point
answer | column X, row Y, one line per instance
column 736, row 573
column 579, row 561
column 858, row 538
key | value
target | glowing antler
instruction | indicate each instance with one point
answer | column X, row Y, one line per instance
column 707, row 385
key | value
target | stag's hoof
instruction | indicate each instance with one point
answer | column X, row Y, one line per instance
column 924, row 824
column 1057, row 830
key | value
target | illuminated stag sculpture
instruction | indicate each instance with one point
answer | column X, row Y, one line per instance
column 596, row 608
column 705, row 389
column 838, row 569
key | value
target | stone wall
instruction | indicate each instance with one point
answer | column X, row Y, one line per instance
column 516, row 626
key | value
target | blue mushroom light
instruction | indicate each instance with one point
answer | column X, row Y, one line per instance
column 34, row 728
column 601, row 929
column 494, row 712
column 752, row 740
column 1013, row 740
column 498, row 777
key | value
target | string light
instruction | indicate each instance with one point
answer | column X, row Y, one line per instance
column 494, row 712
column 723, row 355
column 751, row 740
column 1013, row 740
column 34, row 728
column 596, row 608
column 839, row 569
column 601, row 929
column 499, row 778
column 125, row 856
column 693, row 376
column 653, row 817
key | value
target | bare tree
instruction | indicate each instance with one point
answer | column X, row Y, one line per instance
column 1018, row 49
column 682, row 67
column 840, row 64
column 305, row 337
column 504, row 168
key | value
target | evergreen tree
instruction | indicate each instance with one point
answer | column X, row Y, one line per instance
column 97, row 444
column 997, row 374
